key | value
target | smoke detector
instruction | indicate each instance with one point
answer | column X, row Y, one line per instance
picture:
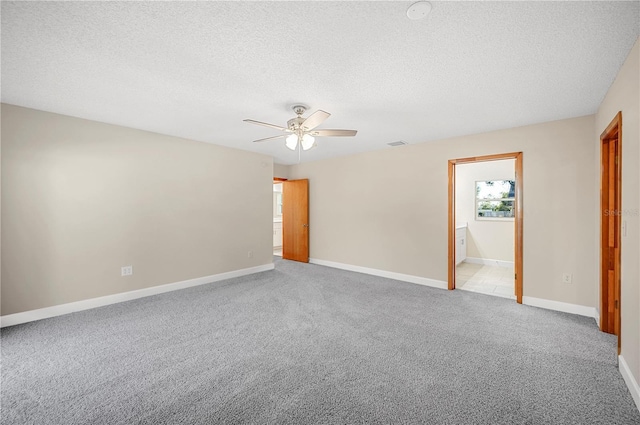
column 419, row 10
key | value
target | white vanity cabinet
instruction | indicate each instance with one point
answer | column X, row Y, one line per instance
column 277, row 234
column 461, row 243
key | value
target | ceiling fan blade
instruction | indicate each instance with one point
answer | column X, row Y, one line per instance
column 265, row 124
column 333, row 133
column 315, row 120
column 270, row 138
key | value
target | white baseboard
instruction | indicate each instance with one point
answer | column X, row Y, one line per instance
column 489, row 262
column 59, row 310
column 383, row 273
column 632, row 384
column 581, row 310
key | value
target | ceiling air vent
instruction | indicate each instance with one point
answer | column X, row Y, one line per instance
column 398, row 143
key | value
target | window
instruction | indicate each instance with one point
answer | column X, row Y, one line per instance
column 495, row 199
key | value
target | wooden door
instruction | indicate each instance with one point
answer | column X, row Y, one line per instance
column 610, row 211
column 295, row 220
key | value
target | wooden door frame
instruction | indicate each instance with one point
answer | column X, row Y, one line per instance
column 613, row 133
column 518, row 217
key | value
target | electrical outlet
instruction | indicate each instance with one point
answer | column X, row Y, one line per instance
column 250, row 254
column 566, row 277
column 126, row 270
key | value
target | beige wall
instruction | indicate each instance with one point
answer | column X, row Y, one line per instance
column 624, row 96
column 80, row 199
column 281, row 171
column 388, row 209
column 488, row 239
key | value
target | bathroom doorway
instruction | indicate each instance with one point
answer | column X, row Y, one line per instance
column 291, row 219
column 486, row 208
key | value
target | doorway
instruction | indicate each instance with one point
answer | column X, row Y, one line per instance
column 610, row 213
column 291, row 219
column 484, row 210
column 517, row 217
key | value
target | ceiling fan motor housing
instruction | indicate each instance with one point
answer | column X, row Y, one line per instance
column 294, row 123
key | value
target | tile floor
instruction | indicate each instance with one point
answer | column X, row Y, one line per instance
column 490, row 280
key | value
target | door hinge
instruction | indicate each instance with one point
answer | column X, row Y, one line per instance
column 515, row 276
column 616, row 304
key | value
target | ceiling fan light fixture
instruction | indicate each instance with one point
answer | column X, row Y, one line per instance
column 307, row 142
column 291, row 141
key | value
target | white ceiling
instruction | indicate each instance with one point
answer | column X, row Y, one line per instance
column 197, row 69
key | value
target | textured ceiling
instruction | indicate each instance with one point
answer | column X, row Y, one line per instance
column 197, row 69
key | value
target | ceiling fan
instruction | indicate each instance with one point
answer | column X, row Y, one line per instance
column 300, row 132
